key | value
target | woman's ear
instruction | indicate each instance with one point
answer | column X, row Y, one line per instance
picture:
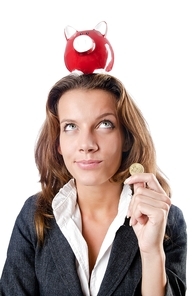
column 126, row 146
column 59, row 150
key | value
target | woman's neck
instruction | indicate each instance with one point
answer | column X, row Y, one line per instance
column 98, row 207
column 99, row 199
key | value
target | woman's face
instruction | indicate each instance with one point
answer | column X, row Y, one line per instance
column 91, row 138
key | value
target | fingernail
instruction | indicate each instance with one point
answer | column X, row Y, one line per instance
column 130, row 222
column 127, row 180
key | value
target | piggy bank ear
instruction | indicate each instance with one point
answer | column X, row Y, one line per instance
column 101, row 28
column 69, row 31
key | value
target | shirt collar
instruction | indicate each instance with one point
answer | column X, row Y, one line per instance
column 65, row 201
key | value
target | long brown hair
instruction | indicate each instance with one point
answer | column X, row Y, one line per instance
column 52, row 170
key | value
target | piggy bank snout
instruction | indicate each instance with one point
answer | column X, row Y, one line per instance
column 83, row 43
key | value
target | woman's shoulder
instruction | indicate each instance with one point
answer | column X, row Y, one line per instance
column 176, row 224
column 176, row 215
column 25, row 218
column 29, row 205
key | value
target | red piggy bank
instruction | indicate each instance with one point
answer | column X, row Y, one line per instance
column 88, row 51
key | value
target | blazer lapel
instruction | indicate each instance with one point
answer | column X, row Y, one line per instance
column 123, row 251
column 64, row 260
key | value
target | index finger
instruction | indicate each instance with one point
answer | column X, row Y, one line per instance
column 148, row 179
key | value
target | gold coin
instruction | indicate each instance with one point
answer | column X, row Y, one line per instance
column 136, row 168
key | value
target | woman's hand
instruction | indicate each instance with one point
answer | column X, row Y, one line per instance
column 148, row 210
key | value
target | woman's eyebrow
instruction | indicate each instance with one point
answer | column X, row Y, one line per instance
column 105, row 114
column 67, row 120
column 98, row 117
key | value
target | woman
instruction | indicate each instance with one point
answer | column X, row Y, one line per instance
column 94, row 229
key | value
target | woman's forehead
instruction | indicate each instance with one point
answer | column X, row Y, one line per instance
column 90, row 96
column 94, row 102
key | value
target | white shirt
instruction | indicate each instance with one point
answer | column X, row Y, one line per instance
column 68, row 218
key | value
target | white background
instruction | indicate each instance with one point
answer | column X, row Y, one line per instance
column 155, row 58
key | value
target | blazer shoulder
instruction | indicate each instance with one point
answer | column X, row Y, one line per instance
column 25, row 222
column 28, row 209
column 176, row 218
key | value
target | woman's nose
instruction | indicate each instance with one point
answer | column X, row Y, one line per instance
column 87, row 142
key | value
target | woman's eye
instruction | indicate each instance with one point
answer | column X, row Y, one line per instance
column 106, row 124
column 69, row 127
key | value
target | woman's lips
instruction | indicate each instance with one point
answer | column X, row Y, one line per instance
column 88, row 164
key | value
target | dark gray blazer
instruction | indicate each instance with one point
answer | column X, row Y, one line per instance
column 51, row 270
